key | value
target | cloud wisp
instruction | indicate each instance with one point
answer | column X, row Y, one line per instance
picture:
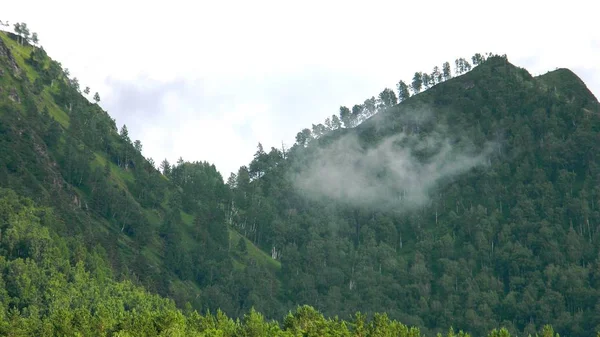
column 397, row 174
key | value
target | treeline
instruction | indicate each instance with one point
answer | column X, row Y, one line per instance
column 348, row 118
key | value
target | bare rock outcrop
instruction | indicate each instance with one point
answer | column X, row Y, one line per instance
column 6, row 56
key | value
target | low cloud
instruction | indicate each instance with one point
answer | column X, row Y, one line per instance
column 396, row 174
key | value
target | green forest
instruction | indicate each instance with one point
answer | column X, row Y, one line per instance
column 465, row 201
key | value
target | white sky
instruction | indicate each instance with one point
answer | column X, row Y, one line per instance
column 208, row 80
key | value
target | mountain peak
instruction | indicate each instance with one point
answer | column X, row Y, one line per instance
column 565, row 81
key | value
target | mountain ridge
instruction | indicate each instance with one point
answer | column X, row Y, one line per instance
column 448, row 253
column 76, row 201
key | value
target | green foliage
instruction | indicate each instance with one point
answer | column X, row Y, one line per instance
column 403, row 93
column 69, row 154
column 242, row 247
column 417, row 82
column 512, row 246
column 249, row 254
column 51, row 286
column 345, row 116
column 387, row 98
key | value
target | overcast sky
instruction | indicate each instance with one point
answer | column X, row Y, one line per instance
column 208, row 80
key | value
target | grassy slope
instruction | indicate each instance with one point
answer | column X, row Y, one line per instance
column 119, row 176
column 253, row 253
column 21, row 53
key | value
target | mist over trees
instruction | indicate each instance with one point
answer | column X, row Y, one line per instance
column 363, row 227
column 472, row 204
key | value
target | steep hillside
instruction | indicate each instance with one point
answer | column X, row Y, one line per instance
column 474, row 203
column 166, row 232
column 49, row 290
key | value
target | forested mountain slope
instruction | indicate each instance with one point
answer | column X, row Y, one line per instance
column 49, row 290
column 474, row 203
column 486, row 214
column 165, row 232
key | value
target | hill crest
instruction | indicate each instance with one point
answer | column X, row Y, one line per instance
column 496, row 244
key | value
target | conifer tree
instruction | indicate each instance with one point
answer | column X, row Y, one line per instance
column 417, row 82
column 403, row 92
column 446, row 71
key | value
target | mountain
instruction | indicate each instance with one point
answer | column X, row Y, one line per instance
column 473, row 204
column 167, row 234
